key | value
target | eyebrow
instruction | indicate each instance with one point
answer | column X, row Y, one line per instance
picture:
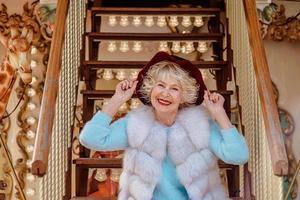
column 171, row 84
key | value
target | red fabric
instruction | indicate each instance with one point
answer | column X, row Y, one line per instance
column 183, row 63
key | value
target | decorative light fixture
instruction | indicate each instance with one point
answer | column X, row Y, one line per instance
column 33, row 80
column 105, row 102
column 123, row 107
column 30, row 177
column 189, row 47
column 30, row 134
column 101, row 175
column 31, row 120
column 112, row 20
column 33, row 64
column 198, row 22
column 30, row 192
column 108, row 74
column 161, row 21
column 134, row 104
column 175, row 47
column 202, row 47
column 137, row 46
column 124, row 21
column 124, row 46
column 112, row 46
column 115, row 175
column 31, row 106
column 29, row 148
column 173, row 21
column 136, row 21
column 186, row 21
column 31, row 92
column 121, row 75
column 133, row 75
column 34, row 50
column 28, row 163
column 163, row 46
column 149, row 21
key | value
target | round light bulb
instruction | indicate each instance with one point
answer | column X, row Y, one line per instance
column 190, row 47
column 198, row 21
column 136, row 21
column 163, row 46
column 186, row 21
column 124, row 46
column 28, row 163
column 124, row 21
column 112, row 20
column 112, row 46
column 108, row 74
column 33, row 64
column 134, row 74
column 173, row 21
column 34, row 50
column 176, row 47
column 202, row 47
column 33, row 80
column 30, row 192
column 31, row 92
column 134, row 104
column 121, row 75
column 30, row 148
column 30, row 177
column 31, row 106
column 161, row 21
column 149, row 21
column 30, row 134
column 31, row 120
column 137, row 46
column 123, row 107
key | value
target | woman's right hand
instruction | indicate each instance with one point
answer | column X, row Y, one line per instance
column 125, row 90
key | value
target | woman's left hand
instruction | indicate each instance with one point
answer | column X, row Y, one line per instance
column 214, row 103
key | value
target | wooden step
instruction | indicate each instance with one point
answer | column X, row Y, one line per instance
column 140, row 64
column 154, row 11
column 98, row 94
column 98, row 163
column 96, row 36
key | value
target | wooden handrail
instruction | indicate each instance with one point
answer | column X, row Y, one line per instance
column 268, row 103
column 47, row 112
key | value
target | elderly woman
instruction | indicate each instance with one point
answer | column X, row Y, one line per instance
column 172, row 142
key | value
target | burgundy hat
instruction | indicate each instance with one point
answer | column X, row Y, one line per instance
column 183, row 63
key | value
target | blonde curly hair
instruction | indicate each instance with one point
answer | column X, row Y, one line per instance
column 165, row 70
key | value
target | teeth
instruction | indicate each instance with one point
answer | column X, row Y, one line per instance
column 164, row 101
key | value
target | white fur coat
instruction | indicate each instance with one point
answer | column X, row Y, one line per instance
column 188, row 146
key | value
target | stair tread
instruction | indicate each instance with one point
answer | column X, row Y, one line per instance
column 116, row 163
column 154, row 36
column 153, row 11
column 140, row 64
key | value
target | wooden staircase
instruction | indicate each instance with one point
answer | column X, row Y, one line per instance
column 220, row 67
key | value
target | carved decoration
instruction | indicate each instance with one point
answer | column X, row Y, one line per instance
column 276, row 26
column 287, row 126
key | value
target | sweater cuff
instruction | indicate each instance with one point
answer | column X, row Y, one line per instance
column 231, row 135
column 104, row 118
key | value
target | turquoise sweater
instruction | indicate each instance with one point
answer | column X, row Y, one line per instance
column 226, row 144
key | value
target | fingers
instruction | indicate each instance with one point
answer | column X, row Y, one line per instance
column 127, row 84
column 214, row 97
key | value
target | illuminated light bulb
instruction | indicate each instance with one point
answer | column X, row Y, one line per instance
column 112, row 20
column 31, row 92
column 31, row 106
column 149, row 21
column 30, row 177
column 123, row 107
column 30, row 134
column 136, row 21
column 134, row 74
column 30, row 192
column 186, row 21
column 121, row 75
column 108, row 74
column 137, row 46
column 124, row 46
column 33, row 64
column 31, row 120
column 163, row 46
column 112, row 46
column 134, row 104
column 176, row 47
column 173, row 21
column 161, row 21
column 34, row 50
column 124, row 21
column 28, row 163
column 190, row 47
column 202, row 47
column 30, row 148
column 105, row 102
column 33, row 80
column 198, row 21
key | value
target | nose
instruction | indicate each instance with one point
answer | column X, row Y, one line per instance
column 165, row 92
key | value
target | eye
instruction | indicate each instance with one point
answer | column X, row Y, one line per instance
column 160, row 85
column 175, row 88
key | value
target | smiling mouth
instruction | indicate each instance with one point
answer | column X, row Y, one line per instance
column 163, row 102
